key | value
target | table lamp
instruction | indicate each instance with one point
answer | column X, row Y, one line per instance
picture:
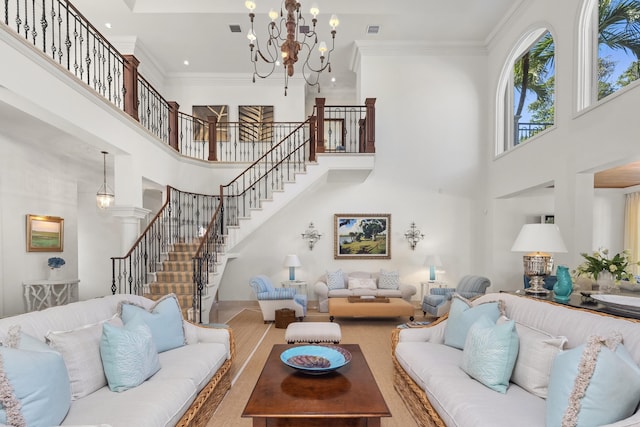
column 292, row 262
column 433, row 262
column 539, row 240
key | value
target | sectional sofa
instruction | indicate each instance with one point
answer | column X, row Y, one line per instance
column 117, row 361
column 509, row 360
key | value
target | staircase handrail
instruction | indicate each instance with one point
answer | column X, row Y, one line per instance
column 146, row 252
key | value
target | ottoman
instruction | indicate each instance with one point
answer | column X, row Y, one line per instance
column 313, row 332
column 341, row 307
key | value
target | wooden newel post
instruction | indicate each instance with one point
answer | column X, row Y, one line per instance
column 370, row 104
column 213, row 138
column 131, row 86
column 173, row 124
column 312, row 138
column 320, row 125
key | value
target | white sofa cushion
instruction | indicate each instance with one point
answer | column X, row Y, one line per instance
column 197, row 362
column 535, row 357
column 459, row 399
column 362, row 283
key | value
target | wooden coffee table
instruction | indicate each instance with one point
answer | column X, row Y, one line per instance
column 347, row 397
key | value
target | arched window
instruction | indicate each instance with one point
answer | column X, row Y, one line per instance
column 526, row 91
column 609, row 48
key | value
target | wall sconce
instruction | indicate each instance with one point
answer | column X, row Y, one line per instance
column 104, row 196
column 413, row 235
column 311, row 235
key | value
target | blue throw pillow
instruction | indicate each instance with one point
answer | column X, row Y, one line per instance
column 462, row 315
column 38, row 380
column 164, row 319
column 593, row 384
column 335, row 280
column 128, row 354
column 389, row 280
column 490, row 353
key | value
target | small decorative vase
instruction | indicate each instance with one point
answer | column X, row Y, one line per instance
column 605, row 281
column 564, row 286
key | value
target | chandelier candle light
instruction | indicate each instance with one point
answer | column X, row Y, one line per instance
column 413, row 235
column 539, row 240
column 311, row 235
column 289, row 38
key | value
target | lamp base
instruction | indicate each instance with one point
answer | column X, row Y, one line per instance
column 537, row 286
column 537, row 266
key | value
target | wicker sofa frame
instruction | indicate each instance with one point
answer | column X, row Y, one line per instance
column 207, row 401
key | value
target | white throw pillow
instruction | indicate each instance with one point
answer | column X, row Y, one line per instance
column 80, row 349
column 538, row 349
column 356, row 283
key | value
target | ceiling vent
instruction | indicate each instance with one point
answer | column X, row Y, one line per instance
column 304, row 29
column 373, row 29
column 235, row 28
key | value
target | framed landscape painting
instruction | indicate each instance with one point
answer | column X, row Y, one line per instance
column 362, row 236
column 45, row 233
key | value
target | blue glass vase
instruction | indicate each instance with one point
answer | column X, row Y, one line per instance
column 564, row 286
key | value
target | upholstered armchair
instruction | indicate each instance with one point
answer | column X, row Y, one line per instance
column 271, row 299
column 438, row 301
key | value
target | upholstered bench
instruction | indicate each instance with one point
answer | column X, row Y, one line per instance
column 313, row 332
column 395, row 307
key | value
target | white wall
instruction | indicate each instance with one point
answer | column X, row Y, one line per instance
column 582, row 142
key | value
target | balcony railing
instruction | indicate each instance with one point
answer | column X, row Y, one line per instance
column 527, row 130
column 68, row 38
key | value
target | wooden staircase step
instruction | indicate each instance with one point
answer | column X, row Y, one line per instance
column 181, row 256
column 186, row 247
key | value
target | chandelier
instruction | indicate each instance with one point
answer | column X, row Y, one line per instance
column 288, row 39
column 104, row 196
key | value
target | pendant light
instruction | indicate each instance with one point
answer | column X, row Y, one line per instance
column 105, row 196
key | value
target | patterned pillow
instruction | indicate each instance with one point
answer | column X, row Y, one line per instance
column 389, row 280
column 129, row 355
column 335, row 280
column 357, row 283
column 490, row 352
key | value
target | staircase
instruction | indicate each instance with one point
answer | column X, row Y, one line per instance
column 176, row 276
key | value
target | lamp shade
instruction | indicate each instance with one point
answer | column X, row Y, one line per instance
column 291, row 261
column 539, row 238
column 433, row 261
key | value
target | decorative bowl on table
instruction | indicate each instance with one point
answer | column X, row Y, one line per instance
column 316, row 359
column 619, row 303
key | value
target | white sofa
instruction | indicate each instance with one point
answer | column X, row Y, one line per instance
column 393, row 288
column 190, row 383
column 429, row 375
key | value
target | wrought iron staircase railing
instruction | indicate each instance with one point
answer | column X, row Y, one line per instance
column 183, row 218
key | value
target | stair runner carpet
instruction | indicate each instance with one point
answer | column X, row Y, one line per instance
column 176, row 276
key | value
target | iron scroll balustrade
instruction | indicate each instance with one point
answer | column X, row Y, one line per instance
column 183, row 218
column 63, row 33
column 153, row 110
column 267, row 174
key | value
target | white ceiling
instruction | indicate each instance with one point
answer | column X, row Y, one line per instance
column 172, row 31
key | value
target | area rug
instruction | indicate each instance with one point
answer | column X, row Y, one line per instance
column 254, row 341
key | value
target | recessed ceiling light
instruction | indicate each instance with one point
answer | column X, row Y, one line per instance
column 107, row 24
column 185, row 62
column 333, row 79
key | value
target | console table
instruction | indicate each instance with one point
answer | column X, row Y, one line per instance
column 41, row 294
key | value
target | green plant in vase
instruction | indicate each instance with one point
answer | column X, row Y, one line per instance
column 599, row 264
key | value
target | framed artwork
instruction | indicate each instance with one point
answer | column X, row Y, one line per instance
column 45, row 233
column 548, row 219
column 362, row 236
column 255, row 123
column 201, row 131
